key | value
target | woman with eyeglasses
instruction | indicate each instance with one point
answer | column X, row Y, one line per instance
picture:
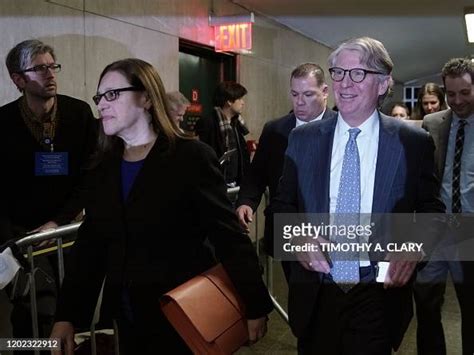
column 155, row 195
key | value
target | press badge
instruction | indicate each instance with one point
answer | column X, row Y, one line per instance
column 51, row 163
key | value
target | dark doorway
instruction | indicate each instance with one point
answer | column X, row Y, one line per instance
column 200, row 70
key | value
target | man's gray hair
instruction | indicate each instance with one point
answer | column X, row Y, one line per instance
column 372, row 54
column 177, row 99
column 24, row 53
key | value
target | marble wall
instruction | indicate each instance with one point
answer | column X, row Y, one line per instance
column 88, row 34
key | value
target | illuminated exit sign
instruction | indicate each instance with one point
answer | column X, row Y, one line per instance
column 232, row 33
column 233, row 37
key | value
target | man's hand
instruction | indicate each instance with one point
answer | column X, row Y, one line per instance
column 401, row 268
column 65, row 332
column 315, row 260
column 244, row 213
column 45, row 227
column 257, row 329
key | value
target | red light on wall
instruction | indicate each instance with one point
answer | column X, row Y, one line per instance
column 233, row 37
column 194, row 95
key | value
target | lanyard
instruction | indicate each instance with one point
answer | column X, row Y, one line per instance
column 48, row 134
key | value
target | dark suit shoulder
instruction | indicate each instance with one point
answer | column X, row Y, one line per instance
column 410, row 129
column 393, row 125
column 9, row 108
column 316, row 127
column 72, row 105
column 281, row 122
column 329, row 114
column 65, row 99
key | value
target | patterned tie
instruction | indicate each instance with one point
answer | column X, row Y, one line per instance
column 345, row 271
column 456, row 185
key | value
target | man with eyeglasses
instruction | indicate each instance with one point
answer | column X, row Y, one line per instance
column 351, row 167
column 47, row 138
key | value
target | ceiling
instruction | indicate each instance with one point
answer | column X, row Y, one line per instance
column 420, row 35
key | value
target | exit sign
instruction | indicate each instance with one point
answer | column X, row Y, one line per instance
column 233, row 37
column 232, row 33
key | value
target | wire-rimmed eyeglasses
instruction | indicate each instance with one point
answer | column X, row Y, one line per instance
column 357, row 75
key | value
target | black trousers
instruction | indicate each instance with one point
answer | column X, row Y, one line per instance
column 429, row 299
column 157, row 338
column 350, row 323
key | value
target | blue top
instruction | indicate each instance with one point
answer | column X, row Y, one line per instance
column 130, row 170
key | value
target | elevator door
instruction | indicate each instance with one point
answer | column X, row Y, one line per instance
column 200, row 70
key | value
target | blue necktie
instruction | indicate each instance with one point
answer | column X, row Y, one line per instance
column 345, row 271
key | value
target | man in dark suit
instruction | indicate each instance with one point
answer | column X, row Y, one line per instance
column 453, row 134
column 308, row 92
column 360, row 162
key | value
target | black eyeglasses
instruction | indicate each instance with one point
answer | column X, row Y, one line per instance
column 357, row 75
column 43, row 68
column 111, row 95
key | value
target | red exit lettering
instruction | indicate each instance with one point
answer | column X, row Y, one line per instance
column 233, row 37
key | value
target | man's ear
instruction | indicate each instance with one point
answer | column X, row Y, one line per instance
column 18, row 80
column 325, row 90
column 385, row 84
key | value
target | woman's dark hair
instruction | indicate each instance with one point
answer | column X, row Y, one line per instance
column 228, row 91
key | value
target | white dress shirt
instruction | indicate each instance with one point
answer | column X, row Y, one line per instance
column 367, row 143
column 467, row 166
column 300, row 122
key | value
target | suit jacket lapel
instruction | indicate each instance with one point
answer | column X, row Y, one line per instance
column 113, row 191
column 289, row 125
column 444, row 129
column 388, row 158
column 323, row 154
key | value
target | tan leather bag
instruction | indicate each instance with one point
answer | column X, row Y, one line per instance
column 207, row 312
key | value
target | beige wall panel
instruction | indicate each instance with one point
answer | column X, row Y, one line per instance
column 56, row 25
column 149, row 29
column 186, row 19
column 74, row 4
column 108, row 40
column 265, row 41
column 260, row 80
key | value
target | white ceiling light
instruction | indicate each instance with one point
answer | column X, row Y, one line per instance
column 469, row 18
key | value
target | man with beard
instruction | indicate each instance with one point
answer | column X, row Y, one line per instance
column 47, row 139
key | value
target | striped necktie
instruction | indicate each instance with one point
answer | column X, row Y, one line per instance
column 456, row 182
